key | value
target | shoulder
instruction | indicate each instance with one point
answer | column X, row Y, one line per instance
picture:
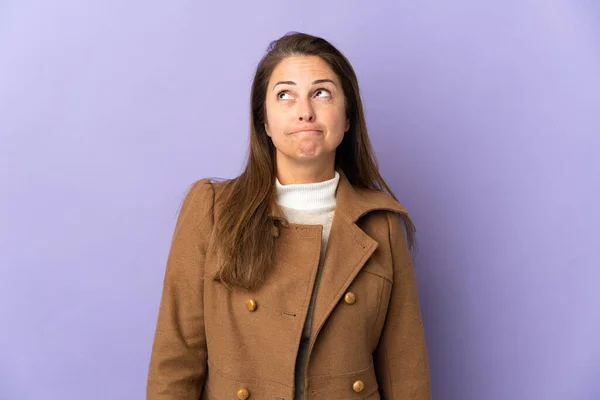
column 198, row 201
column 205, row 194
column 200, row 190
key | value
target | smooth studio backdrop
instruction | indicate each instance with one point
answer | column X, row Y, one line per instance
column 485, row 117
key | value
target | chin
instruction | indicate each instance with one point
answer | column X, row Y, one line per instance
column 317, row 156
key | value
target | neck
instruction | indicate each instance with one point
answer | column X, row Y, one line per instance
column 288, row 173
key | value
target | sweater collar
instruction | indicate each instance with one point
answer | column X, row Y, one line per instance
column 307, row 196
column 354, row 202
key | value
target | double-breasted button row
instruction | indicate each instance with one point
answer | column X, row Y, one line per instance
column 243, row 394
column 357, row 386
column 349, row 298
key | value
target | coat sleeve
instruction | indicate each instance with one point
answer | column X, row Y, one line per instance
column 400, row 358
column 178, row 361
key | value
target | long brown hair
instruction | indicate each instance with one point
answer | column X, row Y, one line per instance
column 243, row 229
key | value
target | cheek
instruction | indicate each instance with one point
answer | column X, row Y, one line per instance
column 276, row 126
column 276, row 120
column 336, row 118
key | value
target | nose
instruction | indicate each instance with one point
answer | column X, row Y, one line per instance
column 307, row 117
column 306, row 112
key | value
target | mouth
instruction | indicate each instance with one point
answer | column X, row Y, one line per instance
column 307, row 132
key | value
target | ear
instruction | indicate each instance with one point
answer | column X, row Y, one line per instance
column 267, row 129
column 347, row 126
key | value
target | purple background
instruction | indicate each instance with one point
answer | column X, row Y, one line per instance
column 484, row 117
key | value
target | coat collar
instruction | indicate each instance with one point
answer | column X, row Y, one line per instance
column 354, row 202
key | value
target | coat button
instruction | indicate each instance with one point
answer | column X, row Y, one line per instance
column 275, row 231
column 251, row 305
column 358, row 386
column 350, row 298
column 243, row 394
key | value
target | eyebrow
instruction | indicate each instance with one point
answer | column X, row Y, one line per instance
column 314, row 82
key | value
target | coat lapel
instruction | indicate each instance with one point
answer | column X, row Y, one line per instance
column 348, row 248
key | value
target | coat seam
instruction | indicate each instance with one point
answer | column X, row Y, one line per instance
column 367, row 271
column 385, row 354
column 346, row 374
column 379, row 305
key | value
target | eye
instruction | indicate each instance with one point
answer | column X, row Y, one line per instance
column 324, row 92
column 281, row 94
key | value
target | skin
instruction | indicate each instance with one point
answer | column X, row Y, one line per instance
column 306, row 119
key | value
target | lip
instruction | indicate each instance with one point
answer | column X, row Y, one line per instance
column 308, row 131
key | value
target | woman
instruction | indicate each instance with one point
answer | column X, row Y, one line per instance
column 293, row 280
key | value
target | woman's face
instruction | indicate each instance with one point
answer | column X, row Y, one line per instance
column 305, row 113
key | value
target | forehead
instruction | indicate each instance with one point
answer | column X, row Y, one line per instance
column 302, row 69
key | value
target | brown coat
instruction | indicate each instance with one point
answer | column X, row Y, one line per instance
column 210, row 343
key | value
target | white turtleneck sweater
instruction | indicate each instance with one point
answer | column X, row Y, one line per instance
column 311, row 204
